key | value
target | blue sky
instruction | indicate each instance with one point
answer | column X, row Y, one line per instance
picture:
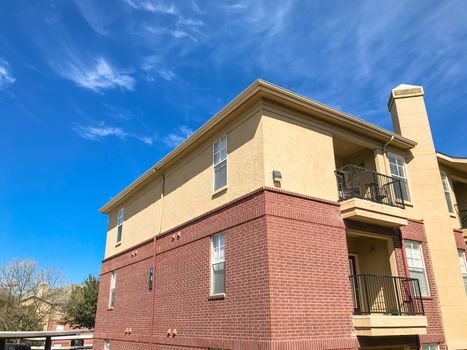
column 92, row 93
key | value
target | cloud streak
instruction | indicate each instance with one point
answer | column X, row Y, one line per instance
column 152, row 6
column 6, row 77
column 96, row 76
column 176, row 137
column 96, row 133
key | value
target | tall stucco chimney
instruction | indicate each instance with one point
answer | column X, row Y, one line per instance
column 410, row 119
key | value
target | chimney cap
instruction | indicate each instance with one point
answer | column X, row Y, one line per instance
column 404, row 91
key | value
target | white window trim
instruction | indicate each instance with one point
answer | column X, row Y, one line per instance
column 463, row 274
column 120, row 214
column 445, row 180
column 226, row 165
column 398, row 156
column 106, row 344
column 212, row 262
column 113, row 284
column 424, row 267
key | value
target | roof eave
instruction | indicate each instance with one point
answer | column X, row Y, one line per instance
column 273, row 91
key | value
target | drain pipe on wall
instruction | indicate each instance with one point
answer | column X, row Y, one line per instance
column 154, row 256
column 384, row 153
column 406, row 268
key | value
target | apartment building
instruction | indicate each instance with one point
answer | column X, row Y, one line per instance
column 283, row 223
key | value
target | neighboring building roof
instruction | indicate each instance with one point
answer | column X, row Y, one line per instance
column 261, row 88
column 458, row 163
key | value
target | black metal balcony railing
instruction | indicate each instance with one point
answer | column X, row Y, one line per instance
column 462, row 210
column 388, row 295
column 357, row 182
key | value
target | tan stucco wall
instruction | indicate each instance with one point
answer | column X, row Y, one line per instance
column 303, row 153
column 188, row 185
column 373, row 255
column 411, row 120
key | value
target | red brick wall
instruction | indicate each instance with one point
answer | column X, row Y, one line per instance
column 133, row 299
column 460, row 243
column 287, row 281
column 308, row 271
column 435, row 334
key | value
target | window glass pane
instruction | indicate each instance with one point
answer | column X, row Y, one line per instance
column 220, row 175
column 217, row 158
column 447, row 191
column 414, row 255
column 420, row 275
column 223, row 153
column 121, row 214
column 217, row 146
column 432, row 346
column 394, row 170
column 397, row 168
column 119, row 233
column 449, row 202
column 462, row 262
column 218, row 278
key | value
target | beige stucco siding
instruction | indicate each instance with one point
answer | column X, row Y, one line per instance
column 141, row 218
column 188, row 185
column 303, row 153
column 411, row 120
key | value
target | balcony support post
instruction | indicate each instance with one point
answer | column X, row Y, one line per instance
column 366, row 294
column 399, row 306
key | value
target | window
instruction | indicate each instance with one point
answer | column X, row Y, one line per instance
column 121, row 216
column 447, row 191
column 106, row 344
column 432, row 346
column 218, row 264
column 219, row 161
column 416, row 264
column 463, row 265
column 397, row 166
column 113, row 281
column 60, row 327
column 150, row 278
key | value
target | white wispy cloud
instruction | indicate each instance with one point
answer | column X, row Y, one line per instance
column 177, row 137
column 100, row 131
column 154, row 65
column 95, row 17
column 152, row 6
column 97, row 76
column 6, row 78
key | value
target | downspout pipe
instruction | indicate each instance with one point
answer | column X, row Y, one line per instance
column 153, row 296
column 384, row 153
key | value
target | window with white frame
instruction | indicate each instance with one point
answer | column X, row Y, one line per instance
column 416, row 265
column 59, row 327
column 447, row 191
column 431, row 346
column 218, row 264
column 121, row 217
column 463, row 265
column 219, row 161
column 398, row 172
column 106, row 344
column 113, row 281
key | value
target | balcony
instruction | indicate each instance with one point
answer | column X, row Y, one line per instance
column 370, row 197
column 387, row 305
column 462, row 210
